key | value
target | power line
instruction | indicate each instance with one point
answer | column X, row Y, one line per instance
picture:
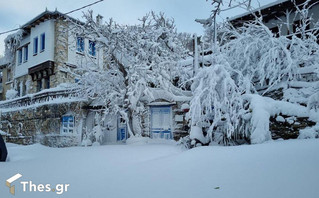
column 64, row 13
column 9, row 31
column 84, row 7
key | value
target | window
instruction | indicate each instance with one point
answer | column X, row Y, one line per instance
column 47, row 82
column 80, row 44
column 8, row 75
column 18, row 89
column 92, row 49
column 19, row 56
column 39, row 85
column 35, row 46
column 42, row 42
column 68, row 124
column 26, row 53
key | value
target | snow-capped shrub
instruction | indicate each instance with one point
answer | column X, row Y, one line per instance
column 11, row 94
column 86, row 142
column 196, row 133
column 185, row 142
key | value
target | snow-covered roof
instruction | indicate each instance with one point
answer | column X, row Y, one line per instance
column 258, row 9
column 161, row 103
column 161, row 94
column 47, row 15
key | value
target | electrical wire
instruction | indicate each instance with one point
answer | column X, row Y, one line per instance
column 8, row 31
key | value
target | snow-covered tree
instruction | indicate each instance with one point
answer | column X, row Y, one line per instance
column 12, row 43
column 216, row 104
column 252, row 60
column 137, row 59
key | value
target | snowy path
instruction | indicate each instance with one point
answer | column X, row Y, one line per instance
column 276, row 169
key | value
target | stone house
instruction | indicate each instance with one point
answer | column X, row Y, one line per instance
column 38, row 103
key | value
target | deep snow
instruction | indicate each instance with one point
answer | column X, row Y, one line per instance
column 284, row 169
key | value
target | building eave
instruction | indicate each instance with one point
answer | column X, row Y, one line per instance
column 268, row 11
column 47, row 15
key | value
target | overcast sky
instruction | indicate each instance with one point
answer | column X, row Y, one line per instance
column 14, row 13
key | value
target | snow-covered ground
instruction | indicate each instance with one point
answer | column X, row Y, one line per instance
column 161, row 169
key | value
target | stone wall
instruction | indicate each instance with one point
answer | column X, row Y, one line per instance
column 6, row 85
column 61, row 54
column 43, row 124
column 288, row 127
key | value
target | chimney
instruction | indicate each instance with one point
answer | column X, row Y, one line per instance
column 99, row 19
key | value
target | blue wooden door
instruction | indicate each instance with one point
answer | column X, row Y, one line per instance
column 161, row 121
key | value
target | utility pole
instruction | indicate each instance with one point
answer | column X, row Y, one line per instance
column 215, row 30
column 195, row 54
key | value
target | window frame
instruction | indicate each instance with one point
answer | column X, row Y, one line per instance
column 42, row 42
column 39, row 85
column 47, row 82
column 92, row 48
column 9, row 76
column 20, row 55
column 26, row 53
column 68, row 124
column 35, row 45
column 80, row 44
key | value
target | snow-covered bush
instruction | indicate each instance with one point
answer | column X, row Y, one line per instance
column 11, row 94
column 185, row 142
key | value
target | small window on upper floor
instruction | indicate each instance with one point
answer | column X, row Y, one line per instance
column 35, row 45
column 26, row 53
column 80, row 44
column 42, row 42
column 92, row 48
column 20, row 56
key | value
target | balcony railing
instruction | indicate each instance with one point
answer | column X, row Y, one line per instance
column 44, row 96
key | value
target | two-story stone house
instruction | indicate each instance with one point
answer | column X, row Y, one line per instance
column 37, row 76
